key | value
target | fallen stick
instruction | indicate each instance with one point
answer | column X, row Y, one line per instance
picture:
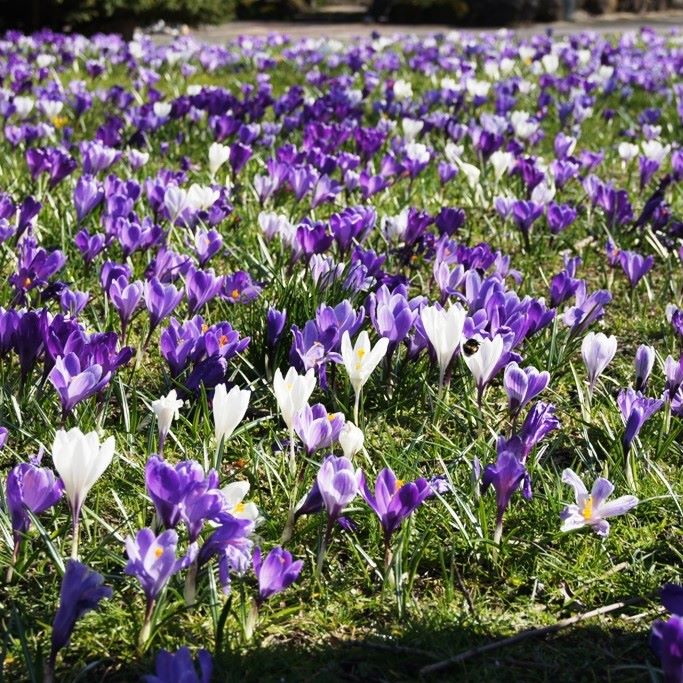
column 530, row 633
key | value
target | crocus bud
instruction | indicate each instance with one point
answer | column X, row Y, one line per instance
column 229, row 408
column 218, row 155
column 597, row 351
column 166, row 410
column 645, row 359
column 351, row 439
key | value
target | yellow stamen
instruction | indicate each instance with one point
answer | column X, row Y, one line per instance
column 399, row 484
column 222, row 340
column 235, row 294
column 240, row 507
column 205, row 328
column 587, row 511
column 59, row 121
column 360, row 353
column 159, row 552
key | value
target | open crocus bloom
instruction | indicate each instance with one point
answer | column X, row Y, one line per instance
column 234, row 494
column 592, row 509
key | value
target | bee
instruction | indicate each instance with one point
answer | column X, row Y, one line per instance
column 471, row 346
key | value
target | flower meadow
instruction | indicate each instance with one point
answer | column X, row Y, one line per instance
column 339, row 360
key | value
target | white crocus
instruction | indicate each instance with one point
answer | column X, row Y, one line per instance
column 161, row 109
column 351, row 439
column 80, row 460
column 234, row 494
column 176, row 200
column 218, row 155
column 229, row 408
column 482, row 363
column 292, row 393
column 443, row 328
column 360, row 360
column 166, row 410
column 411, row 129
column 597, row 351
column 202, row 197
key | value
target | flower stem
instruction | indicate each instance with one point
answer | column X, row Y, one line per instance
column 76, row 536
column 15, row 557
column 323, row 546
column 498, row 533
column 146, row 629
column 356, row 406
column 292, row 457
column 190, row 590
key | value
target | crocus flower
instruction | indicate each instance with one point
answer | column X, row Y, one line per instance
column 230, row 543
column 276, row 572
column 351, row 439
column 635, row 266
column 523, row 385
column 644, row 361
column 229, row 408
column 484, row 362
column 394, row 501
column 506, row 476
column 80, row 460
column 360, row 360
column 636, row 410
column 292, row 393
column 75, row 384
column 317, row 428
column 152, row 561
column 172, row 668
column 592, row 509
column 443, row 328
column 183, row 493
column 161, row 300
column 81, row 591
column 338, row 484
column 166, row 410
column 666, row 638
column 597, row 350
column 234, row 494
column 218, row 155
column 30, row 488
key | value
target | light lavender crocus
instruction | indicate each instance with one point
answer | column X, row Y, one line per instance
column 597, row 350
column 338, row 483
column 592, row 509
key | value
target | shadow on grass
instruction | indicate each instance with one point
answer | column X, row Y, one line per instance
column 583, row 653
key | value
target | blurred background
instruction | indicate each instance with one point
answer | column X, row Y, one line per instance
column 125, row 16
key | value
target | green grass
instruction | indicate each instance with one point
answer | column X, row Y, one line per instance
column 454, row 591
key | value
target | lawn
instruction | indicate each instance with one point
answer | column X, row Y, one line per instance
column 243, row 284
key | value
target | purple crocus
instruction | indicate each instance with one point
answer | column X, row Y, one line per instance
column 88, row 194
column 525, row 214
column 30, row 488
column 523, row 385
column 230, row 543
column 644, row 361
column 338, row 484
column 75, row 383
column 636, row 410
column 126, row 298
column 506, row 475
column 539, row 422
column 635, row 265
column 275, row 324
column 152, row 560
column 82, row 589
column 161, row 300
column 183, row 493
column 394, row 501
column 276, row 572
column 317, row 428
column 666, row 638
column 200, row 287
column 179, row 666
